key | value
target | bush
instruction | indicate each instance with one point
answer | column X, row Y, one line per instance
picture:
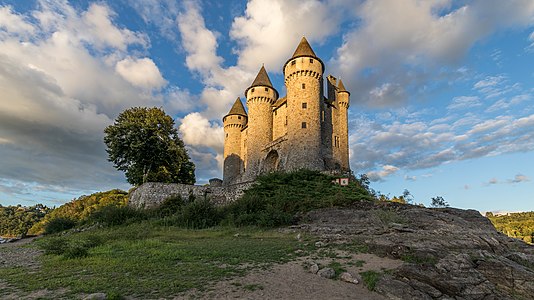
column 75, row 251
column 58, row 225
column 113, row 215
column 199, row 214
column 277, row 198
column 54, row 245
column 170, row 206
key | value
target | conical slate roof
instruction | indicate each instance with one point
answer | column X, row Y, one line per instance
column 303, row 49
column 237, row 108
column 262, row 79
column 341, row 87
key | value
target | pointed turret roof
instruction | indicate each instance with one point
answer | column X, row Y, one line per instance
column 237, row 108
column 262, row 79
column 303, row 50
column 341, row 87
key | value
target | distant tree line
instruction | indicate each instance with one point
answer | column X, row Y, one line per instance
column 15, row 221
column 516, row 225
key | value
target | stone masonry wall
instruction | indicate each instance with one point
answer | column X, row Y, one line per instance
column 152, row 194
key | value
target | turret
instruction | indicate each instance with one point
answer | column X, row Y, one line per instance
column 260, row 97
column 343, row 101
column 303, row 79
column 234, row 122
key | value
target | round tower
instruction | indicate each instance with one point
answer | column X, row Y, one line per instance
column 343, row 101
column 303, row 74
column 234, row 122
column 260, row 97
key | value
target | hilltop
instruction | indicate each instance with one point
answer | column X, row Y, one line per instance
column 273, row 243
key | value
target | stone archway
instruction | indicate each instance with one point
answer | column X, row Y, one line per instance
column 271, row 161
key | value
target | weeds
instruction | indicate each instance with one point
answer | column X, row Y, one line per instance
column 370, row 278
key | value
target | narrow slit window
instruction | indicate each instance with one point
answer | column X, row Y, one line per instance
column 252, row 90
column 303, row 86
column 303, row 124
column 304, row 105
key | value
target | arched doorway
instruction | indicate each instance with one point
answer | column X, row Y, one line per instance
column 271, row 161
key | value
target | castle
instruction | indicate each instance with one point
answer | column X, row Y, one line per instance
column 304, row 129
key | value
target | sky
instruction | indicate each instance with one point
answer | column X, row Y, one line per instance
column 442, row 91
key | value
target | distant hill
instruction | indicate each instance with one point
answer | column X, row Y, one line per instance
column 78, row 210
column 517, row 225
column 15, row 221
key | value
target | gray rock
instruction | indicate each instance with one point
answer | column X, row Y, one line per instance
column 314, row 268
column 347, row 277
column 320, row 244
column 96, row 296
column 327, row 273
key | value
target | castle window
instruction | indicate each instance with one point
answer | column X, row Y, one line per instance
column 227, row 135
column 286, row 121
column 303, row 86
column 303, row 124
column 266, row 89
column 304, row 105
column 293, row 62
column 275, row 112
column 311, row 60
column 252, row 90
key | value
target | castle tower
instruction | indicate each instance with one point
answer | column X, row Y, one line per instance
column 303, row 79
column 343, row 101
column 234, row 122
column 260, row 97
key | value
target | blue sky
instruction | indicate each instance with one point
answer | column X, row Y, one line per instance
column 441, row 91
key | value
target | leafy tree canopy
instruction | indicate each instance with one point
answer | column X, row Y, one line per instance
column 144, row 143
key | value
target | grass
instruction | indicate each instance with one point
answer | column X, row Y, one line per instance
column 134, row 259
column 370, row 278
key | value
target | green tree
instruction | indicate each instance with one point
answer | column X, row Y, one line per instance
column 438, row 201
column 144, row 143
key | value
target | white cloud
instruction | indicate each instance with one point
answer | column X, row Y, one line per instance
column 519, row 178
column 141, row 72
column 14, row 23
column 464, row 102
column 384, row 172
column 198, row 131
column 408, row 43
column 270, row 29
column 410, row 178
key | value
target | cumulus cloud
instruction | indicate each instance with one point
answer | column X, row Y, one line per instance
column 141, row 72
column 407, row 43
column 198, row 131
column 61, row 89
column 384, row 172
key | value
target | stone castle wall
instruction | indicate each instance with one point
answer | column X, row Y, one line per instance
column 152, row 194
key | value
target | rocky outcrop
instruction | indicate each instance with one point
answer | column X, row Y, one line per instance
column 449, row 253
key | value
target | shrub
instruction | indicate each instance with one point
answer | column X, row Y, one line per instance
column 277, row 198
column 54, row 245
column 370, row 278
column 170, row 206
column 199, row 214
column 113, row 215
column 75, row 250
column 58, row 224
